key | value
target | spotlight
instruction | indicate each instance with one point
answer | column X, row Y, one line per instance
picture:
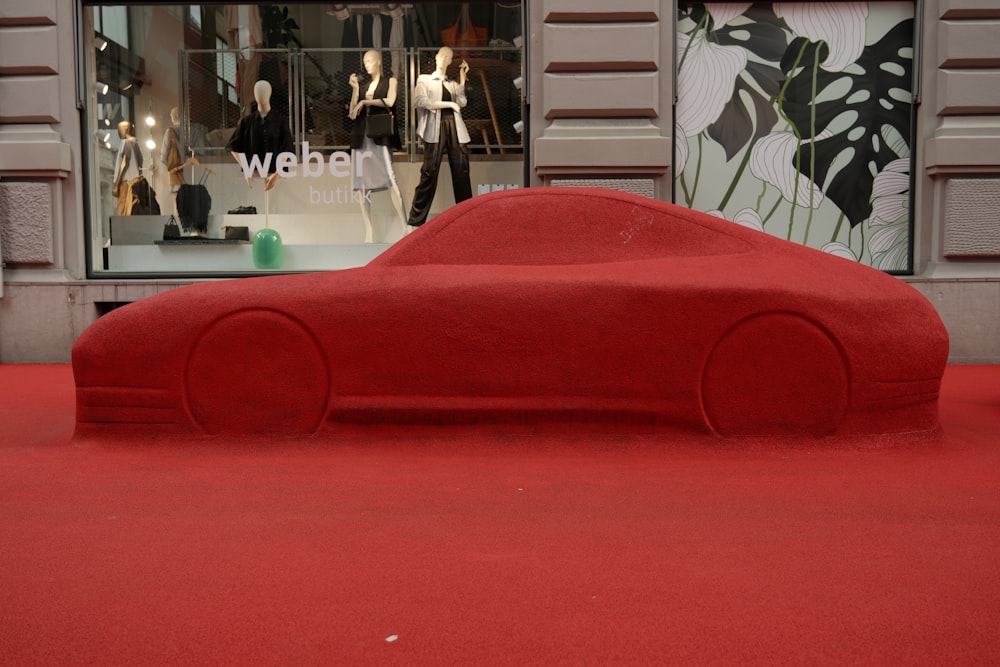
column 519, row 82
column 150, row 144
column 519, row 126
column 102, row 88
column 519, row 41
column 150, row 121
column 100, row 43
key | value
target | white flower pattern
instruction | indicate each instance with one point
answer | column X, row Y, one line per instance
column 708, row 79
column 772, row 160
column 889, row 245
column 841, row 25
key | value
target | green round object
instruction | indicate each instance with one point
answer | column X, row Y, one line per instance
column 267, row 249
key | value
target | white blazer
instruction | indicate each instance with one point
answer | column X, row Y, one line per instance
column 427, row 90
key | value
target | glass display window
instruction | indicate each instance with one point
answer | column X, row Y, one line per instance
column 214, row 125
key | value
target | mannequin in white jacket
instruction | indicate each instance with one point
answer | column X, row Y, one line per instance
column 438, row 102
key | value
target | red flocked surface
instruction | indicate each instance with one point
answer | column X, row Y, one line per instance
column 538, row 306
column 475, row 547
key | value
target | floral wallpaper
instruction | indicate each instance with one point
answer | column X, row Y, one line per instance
column 795, row 119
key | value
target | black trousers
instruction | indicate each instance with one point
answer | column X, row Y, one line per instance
column 458, row 161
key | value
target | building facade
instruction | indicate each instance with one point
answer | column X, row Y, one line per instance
column 600, row 101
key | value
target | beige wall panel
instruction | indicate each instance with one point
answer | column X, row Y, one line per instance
column 602, row 95
column 975, row 153
column 28, row 12
column 969, row 44
column 29, row 99
column 602, row 43
column 969, row 9
column 25, row 157
column 972, row 217
column 613, row 155
column 31, row 50
column 970, row 311
column 968, row 92
column 600, row 7
column 36, row 324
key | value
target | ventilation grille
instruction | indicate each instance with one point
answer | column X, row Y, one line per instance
column 636, row 186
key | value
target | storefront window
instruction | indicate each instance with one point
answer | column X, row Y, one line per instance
column 176, row 90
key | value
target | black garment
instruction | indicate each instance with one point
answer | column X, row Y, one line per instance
column 194, row 203
column 358, row 131
column 458, row 160
column 256, row 135
column 145, row 198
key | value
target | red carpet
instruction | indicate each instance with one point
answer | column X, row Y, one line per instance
column 470, row 548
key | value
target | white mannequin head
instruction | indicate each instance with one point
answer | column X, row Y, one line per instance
column 262, row 93
column 443, row 58
column 373, row 64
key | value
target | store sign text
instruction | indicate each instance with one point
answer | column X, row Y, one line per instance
column 286, row 164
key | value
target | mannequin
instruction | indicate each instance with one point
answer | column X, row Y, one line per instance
column 263, row 131
column 170, row 151
column 438, row 102
column 375, row 173
column 128, row 167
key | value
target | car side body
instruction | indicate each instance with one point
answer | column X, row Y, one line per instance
column 535, row 304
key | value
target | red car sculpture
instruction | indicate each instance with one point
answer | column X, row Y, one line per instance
column 537, row 304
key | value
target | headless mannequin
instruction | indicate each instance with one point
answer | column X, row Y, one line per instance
column 438, row 102
column 373, row 66
column 262, row 94
column 171, row 154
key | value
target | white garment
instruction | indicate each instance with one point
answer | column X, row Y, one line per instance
column 427, row 90
column 243, row 26
column 130, row 154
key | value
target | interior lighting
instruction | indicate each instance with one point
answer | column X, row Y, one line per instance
column 102, row 88
column 100, row 43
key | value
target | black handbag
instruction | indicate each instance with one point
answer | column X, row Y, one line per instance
column 171, row 230
column 379, row 125
column 236, row 233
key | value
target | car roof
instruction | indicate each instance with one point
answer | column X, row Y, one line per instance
column 562, row 226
